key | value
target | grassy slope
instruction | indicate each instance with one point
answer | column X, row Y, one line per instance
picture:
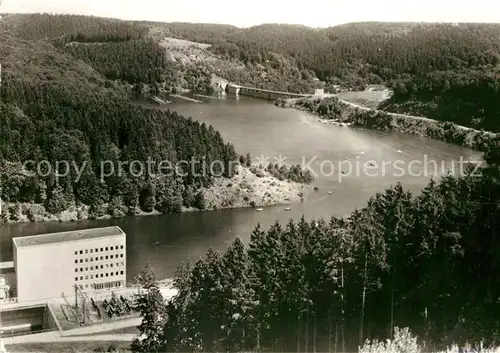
column 368, row 99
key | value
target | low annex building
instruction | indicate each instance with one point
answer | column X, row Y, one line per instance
column 50, row 265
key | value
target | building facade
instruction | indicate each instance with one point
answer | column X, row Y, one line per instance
column 48, row 266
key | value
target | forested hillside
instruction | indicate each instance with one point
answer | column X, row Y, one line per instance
column 56, row 108
column 116, row 49
column 132, row 52
column 197, row 32
column 427, row 262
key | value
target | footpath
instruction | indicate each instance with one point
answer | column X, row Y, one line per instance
column 80, row 334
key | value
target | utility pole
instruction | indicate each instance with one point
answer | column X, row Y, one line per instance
column 84, row 310
column 363, row 301
column 0, row 86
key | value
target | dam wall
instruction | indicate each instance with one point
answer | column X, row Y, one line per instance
column 261, row 93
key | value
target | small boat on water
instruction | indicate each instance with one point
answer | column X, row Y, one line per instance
column 258, row 209
column 329, row 192
column 399, row 151
column 287, row 208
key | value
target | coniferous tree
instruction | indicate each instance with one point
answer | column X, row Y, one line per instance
column 151, row 306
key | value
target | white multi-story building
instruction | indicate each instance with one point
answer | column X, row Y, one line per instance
column 50, row 265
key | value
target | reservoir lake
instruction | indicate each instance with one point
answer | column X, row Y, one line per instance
column 271, row 134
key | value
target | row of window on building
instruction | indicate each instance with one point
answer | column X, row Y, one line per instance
column 97, row 267
column 107, row 285
column 110, row 248
column 107, row 274
column 97, row 258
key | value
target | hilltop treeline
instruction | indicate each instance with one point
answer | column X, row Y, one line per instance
column 427, row 262
column 273, row 70
column 446, row 72
column 196, row 32
column 342, row 51
column 65, row 29
column 54, row 108
column 371, row 53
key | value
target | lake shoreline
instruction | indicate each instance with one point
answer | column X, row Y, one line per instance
column 246, row 189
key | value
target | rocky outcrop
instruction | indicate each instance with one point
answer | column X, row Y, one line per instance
column 218, row 83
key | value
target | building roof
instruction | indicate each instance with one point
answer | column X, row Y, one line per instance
column 74, row 235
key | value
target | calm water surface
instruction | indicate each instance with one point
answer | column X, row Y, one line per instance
column 262, row 129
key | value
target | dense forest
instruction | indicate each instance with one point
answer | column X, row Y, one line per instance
column 56, row 108
column 116, row 49
column 426, row 262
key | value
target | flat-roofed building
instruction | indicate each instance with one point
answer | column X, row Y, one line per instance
column 49, row 265
column 319, row 92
